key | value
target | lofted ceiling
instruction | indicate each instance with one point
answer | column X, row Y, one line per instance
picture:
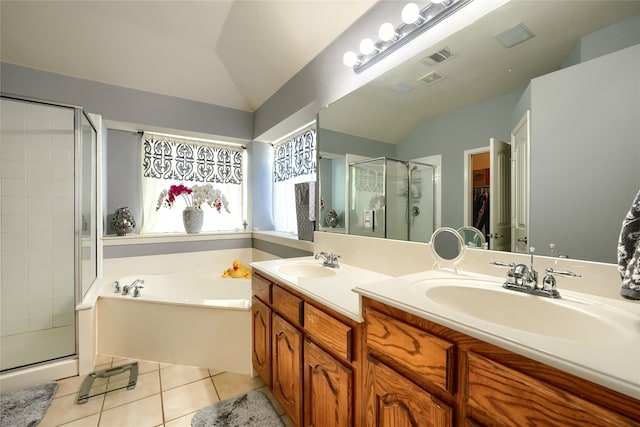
column 391, row 106
column 233, row 53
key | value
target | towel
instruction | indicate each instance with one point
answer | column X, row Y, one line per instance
column 629, row 252
column 312, row 200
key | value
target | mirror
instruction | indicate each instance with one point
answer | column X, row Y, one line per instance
column 447, row 244
column 471, row 236
column 578, row 78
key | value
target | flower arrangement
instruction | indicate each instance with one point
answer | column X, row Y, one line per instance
column 194, row 196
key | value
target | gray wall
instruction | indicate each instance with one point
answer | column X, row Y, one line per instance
column 117, row 103
column 585, row 153
column 450, row 135
column 122, row 161
column 614, row 37
column 341, row 143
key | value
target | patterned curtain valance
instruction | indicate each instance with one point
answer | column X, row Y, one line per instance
column 170, row 158
column 295, row 156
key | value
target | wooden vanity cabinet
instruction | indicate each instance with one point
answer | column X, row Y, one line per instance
column 421, row 373
column 315, row 356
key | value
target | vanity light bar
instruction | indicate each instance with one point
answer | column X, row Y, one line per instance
column 415, row 22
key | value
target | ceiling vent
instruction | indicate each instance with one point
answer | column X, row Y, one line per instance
column 401, row 87
column 431, row 78
column 515, row 35
column 439, row 57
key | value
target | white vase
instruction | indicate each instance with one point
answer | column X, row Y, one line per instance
column 192, row 219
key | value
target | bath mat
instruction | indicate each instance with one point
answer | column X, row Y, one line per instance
column 247, row 410
column 25, row 408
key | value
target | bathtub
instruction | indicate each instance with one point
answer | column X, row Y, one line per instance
column 179, row 318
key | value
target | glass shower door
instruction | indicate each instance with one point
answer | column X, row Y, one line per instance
column 37, row 243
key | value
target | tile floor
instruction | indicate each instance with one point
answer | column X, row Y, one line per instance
column 165, row 396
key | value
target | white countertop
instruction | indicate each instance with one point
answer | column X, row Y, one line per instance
column 335, row 291
column 609, row 356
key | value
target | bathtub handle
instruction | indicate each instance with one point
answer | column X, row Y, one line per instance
column 136, row 290
column 117, row 289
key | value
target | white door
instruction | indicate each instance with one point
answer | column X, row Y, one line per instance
column 499, row 195
column 520, row 137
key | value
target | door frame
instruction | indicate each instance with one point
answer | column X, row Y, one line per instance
column 468, row 182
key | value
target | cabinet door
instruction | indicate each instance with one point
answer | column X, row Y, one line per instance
column 395, row 401
column 261, row 339
column 287, row 367
column 328, row 389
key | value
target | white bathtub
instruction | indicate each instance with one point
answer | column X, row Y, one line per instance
column 187, row 319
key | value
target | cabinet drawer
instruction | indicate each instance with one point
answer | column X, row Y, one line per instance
column 333, row 334
column 261, row 288
column 288, row 305
column 510, row 398
column 417, row 353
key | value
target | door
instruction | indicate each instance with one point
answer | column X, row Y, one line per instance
column 328, row 389
column 286, row 369
column 499, row 195
column 394, row 401
column 261, row 337
column 520, row 139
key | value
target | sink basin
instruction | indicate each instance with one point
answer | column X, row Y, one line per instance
column 306, row 270
column 565, row 319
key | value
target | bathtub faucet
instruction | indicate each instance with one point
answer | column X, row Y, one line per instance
column 134, row 285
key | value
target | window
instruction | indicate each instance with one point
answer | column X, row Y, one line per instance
column 294, row 161
column 170, row 161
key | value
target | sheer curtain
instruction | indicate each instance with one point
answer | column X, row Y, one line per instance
column 170, row 161
column 294, row 161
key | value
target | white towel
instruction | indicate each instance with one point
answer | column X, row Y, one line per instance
column 312, row 200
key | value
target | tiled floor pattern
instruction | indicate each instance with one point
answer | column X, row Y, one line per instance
column 165, row 396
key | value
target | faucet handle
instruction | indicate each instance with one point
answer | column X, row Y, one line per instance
column 503, row 264
column 117, row 288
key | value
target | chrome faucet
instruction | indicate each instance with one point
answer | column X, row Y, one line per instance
column 330, row 259
column 134, row 286
column 525, row 279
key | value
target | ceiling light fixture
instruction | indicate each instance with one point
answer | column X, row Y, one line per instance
column 415, row 21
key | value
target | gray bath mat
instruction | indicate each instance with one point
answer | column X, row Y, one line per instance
column 25, row 408
column 247, row 410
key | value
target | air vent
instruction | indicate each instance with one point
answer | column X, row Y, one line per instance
column 401, row 88
column 439, row 57
column 515, row 35
column 431, row 78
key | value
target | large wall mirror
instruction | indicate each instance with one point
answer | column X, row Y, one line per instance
column 571, row 67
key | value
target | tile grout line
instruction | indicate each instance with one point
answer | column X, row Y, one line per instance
column 161, row 395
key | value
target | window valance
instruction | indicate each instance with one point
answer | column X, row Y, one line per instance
column 184, row 160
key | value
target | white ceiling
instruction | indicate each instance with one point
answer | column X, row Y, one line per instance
column 233, row 53
column 481, row 68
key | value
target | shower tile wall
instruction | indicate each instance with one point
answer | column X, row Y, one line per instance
column 37, row 233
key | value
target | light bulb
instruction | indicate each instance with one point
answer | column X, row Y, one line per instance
column 366, row 46
column 386, row 32
column 349, row 59
column 410, row 13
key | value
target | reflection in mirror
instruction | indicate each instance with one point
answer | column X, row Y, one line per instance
column 447, row 244
column 471, row 236
column 392, row 199
column 579, row 185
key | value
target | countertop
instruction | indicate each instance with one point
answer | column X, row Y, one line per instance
column 335, row 291
column 607, row 355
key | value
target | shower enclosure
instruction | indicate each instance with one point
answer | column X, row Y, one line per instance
column 392, row 198
column 48, row 238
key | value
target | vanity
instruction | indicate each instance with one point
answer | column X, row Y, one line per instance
column 399, row 351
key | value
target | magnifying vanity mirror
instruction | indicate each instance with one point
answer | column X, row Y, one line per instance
column 571, row 67
column 447, row 244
